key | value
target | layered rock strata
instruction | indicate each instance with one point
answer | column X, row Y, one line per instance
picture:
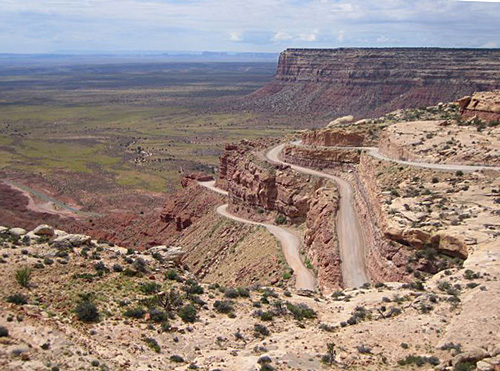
column 368, row 82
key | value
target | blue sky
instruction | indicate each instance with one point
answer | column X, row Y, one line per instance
column 44, row 26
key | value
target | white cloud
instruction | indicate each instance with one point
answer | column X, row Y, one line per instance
column 281, row 36
column 235, row 36
column 211, row 24
column 341, row 36
column 382, row 39
column 309, row 37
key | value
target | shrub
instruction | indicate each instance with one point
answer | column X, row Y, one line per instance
column 4, row 332
column 363, row 349
column 137, row 312
column 231, row 293
column 172, row 275
column 435, row 180
column 261, row 330
column 150, row 287
column 193, row 287
column 280, row 219
column 176, row 358
column 329, row 357
column 300, row 311
column 158, row 315
column 418, row 360
column 244, row 293
column 23, row 276
column 459, row 173
column 140, row 265
column 224, row 306
column 117, row 268
column 18, row 299
column 86, row 310
column 100, row 267
column 153, row 344
column 188, row 313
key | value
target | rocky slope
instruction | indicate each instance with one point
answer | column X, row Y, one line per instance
column 108, row 308
column 371, row 82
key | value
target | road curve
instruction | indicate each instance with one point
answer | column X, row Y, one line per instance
column 290, row 244
column 351, row 242
column 374, row 152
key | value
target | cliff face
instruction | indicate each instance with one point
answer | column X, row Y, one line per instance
column 261, row 191
column 484, row 105
column 370, row 82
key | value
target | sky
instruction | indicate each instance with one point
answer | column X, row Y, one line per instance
column 50, row 26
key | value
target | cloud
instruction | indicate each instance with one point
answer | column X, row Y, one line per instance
column 281, row 36
column 235, row 36
column 341, row 36
column 309, row 37
column 382, row 39
column 260, row 25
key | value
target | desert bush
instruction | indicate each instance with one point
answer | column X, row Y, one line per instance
column 117, row 268
column 280, row 219
column 153, row 344
column 18, row 299
column 363, row 349
column 176, row 358
column 329, row 357
column 224, row 306
column 86, row 310
column 150, row 287
column 192, row 287
column 172, row 275
column 140, row 265
column 261, row 330
column 137, row 312
column 188, row 313
column 23, row 276
column 4, row 332
column 231, row 293
column 300, row 311
column 244, row 293
column 158, row 315
column 418, row 361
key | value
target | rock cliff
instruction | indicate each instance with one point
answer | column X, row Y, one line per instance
column 261, row 191
column 484, row 105
column 368, row 82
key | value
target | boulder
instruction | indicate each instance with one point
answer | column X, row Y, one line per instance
column 484, row 366
column 71, row 240
column 3, row 230
column 172, row 253
column 341, row 120
column 452, row 245
column 472, row 355
column 30, row 238
column 18, row 232
column 44, row 230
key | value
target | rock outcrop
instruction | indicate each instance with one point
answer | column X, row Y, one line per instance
column 367, row 82
column 260, row 190
column 484, row 105
column 319, row 157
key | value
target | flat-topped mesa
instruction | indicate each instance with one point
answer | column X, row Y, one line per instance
column 368, row 82
column 483, row 105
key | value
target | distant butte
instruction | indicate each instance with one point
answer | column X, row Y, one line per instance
column 369, row 82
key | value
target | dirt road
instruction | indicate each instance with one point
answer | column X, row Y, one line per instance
column 290, row 243
column 352, row 246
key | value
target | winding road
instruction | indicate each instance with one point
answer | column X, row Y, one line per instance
column 374, row 152
column 290, row 243
column 351, row 242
